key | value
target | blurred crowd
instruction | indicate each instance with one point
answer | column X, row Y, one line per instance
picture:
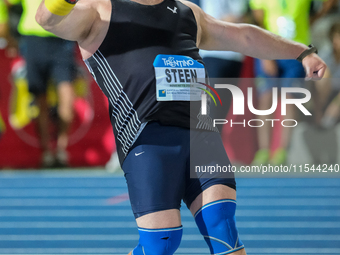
column 303, row 21
column 43, row 65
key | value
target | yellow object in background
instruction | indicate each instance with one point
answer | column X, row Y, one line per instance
column 24, row 110
column 2, row 125
column 27, row 24
column 59, row 7
column 3, row 12
column 287, row 18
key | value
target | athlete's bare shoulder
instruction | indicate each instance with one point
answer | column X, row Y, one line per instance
column 199, row 16
column 190, row 4
column 206, row 24
column 99, row 27
column 210, row 30
column 196, row 10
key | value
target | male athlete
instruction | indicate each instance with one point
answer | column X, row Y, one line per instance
column 139, row 52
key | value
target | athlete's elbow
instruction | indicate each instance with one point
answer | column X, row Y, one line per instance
column 41, row 19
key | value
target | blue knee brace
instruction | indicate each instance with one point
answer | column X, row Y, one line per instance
column 158, row 241
column 216, row 222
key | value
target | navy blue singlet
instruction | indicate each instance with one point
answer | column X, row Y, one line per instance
column 123, row 67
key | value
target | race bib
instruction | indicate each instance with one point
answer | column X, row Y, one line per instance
column 177, row 78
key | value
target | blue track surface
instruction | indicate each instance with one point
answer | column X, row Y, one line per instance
column 87, row 212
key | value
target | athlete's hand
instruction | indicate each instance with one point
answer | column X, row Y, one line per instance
column 315, row 67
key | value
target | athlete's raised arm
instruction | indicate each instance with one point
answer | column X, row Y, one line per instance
column 252, row 41
column 68, row 19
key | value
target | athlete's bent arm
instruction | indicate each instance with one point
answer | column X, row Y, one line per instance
column 74, row 26
column 252, row 41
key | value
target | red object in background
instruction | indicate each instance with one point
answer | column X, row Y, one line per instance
column 92, row 145
column 241, row 142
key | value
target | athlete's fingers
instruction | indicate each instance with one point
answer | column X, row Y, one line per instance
column 321, row 72
column 317, row 74
column 315, row 67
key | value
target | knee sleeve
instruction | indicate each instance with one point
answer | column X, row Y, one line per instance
column 158, row 241
column 216, row 222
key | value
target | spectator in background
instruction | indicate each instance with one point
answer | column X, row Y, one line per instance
column 329, row 89
column 289, row 19
column 320, row 27
column 43, row 65
column 3, row 43
column 224, row 64
column 6, row 40
column 3, row 20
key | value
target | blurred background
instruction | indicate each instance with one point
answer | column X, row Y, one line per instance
column 52, row 112
column 60, row 120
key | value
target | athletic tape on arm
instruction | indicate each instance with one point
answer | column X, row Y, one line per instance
column 60, row 7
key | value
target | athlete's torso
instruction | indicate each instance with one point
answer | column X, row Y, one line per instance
column 123, row 66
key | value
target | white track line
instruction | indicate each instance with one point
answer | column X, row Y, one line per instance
column 129, row 237
column 186, row 224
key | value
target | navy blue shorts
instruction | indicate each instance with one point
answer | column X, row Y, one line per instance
column 157, row 168
column 47, row 59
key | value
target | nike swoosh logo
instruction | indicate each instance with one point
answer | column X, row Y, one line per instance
column 138, row 154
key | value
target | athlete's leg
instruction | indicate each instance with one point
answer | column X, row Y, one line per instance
column 160, row 233
column 65, row 112
column 292, row 75
column 265, row 82
column 43, row 130
column 63, row 71
column 220, row 193
column 155, row 172
column 163, row 219
column 211, row 197
column 34, row 49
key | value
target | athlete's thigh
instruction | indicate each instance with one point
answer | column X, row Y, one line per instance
column 211, row 194
column 160, row 219
column 209, row 166
column 34, row 51
column 62, row 61
column 155, row 171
